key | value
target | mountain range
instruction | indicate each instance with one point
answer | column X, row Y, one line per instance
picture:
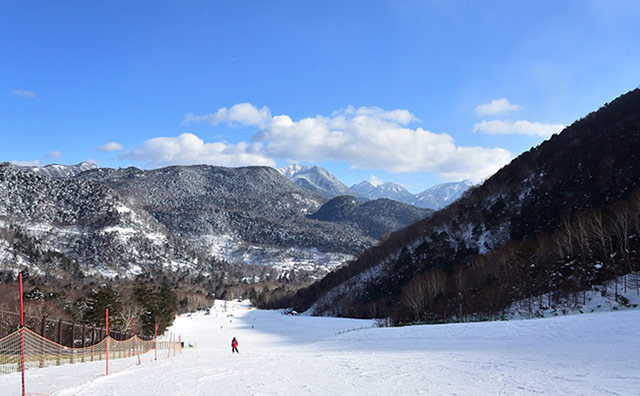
column 197, row 219
column 321, row 181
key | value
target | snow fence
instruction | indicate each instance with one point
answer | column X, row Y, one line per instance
column 41, row 352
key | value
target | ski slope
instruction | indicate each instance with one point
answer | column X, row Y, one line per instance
column 590, row 354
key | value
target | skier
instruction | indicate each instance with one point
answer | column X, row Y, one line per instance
column 234, row 345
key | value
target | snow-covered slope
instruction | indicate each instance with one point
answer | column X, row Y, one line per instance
column 61, row 171
column 435, row 197
column 49, row 223
column 387, row 190
column 316, row 179
column 441, row 195
column 591, row 354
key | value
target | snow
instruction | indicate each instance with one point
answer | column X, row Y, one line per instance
column 601, row 298
column 226, row 247
column 589, row 354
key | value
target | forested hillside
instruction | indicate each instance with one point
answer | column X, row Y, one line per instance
column 560, row 217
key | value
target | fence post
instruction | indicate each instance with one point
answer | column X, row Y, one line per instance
column 59, row 357
column 43, row 333
column 135, row 341
column 155, row 338
column 169, row 346
column 100, row 349
column 107, row 314
column 21, row 334
column 60, row 331
column 73, row 341
column 84, row 341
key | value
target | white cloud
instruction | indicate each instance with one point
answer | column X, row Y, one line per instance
column 189, row 149
column 241, row 113
column 402, row 117
column 111, row 146
column 496, row 106
column 26, row 163
column 55, row 154
column 370, row 141
column 365, row 137
column 500, row 127
column 23, row 93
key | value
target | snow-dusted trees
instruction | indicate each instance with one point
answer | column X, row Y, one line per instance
column 589, row 247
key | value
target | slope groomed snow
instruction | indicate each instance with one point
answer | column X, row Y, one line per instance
column 590, row 354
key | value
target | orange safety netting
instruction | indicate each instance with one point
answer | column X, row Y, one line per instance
column 41, row 352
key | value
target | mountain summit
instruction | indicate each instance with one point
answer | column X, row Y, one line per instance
column 316, row 179
column 441, row 195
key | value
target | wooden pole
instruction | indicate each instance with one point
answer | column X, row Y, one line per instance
column 73, row 339
column 84, row 340
column 135, row 341
column 43, row 333
column 155, row 346
column 169, row 346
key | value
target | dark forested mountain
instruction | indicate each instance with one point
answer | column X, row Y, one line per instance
column 561, row 216
column 375, row 218
column 241, row 208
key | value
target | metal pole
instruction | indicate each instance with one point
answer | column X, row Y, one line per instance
column 107, row 313
column 21, row 334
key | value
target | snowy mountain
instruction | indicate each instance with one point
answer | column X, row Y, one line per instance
column 319, row 180
column 250, row 215
column 52, row 224
column 441, row 195
column 193, row 218
column 364, row 188
column 435, row 197
column 316, row 179
column 61, row 171
column 387, row 190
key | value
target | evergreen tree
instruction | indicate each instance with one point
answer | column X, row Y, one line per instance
column 97, row 303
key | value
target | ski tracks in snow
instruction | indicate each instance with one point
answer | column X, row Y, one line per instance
column 595, row 354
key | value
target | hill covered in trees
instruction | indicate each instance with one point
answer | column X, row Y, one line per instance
column 559, row 218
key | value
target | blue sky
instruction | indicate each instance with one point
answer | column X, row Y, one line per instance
column 415, row 92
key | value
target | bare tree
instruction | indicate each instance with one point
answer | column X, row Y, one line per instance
column 414, row 296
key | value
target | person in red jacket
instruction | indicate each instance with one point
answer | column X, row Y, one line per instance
column 234, row 345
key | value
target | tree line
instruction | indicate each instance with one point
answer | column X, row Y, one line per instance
column 593, row 247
